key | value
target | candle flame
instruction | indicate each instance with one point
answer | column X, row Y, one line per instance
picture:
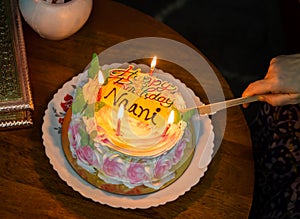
column 170, row 121
column 121, row 112
column 100, row 77
column 171, row 117
column 153, row 63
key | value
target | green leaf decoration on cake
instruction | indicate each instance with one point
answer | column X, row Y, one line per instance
column 93, row 135
column 91, row 143
column 79, row 101
column 186, row 116
column 99, row 105
column 94, row 67
column 84, row 137
column 106, row 74
column 177, row 116
column 89, row 110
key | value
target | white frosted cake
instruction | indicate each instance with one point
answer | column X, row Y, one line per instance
column 125, row 133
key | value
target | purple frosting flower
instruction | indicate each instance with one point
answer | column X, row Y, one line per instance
column 136, row 173
column 163, row 165
column 87, row 155
column 113, row 166
column 179, row 151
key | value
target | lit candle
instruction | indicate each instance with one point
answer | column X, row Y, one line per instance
column 101, row 81
column 100, row 77
column 153, row 64
column 120, row 116
column 170, row 121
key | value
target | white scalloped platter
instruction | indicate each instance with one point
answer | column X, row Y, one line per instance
column 52, row 141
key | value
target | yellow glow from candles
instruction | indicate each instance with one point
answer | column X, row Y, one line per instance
column 100, row 77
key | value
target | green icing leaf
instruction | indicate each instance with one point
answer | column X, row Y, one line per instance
column 176, row 115
column 99, row 105
column 79, row 102
column 186, row 116
column 91, row 144
column 84, row 137
column 91, row 141
column 93, row 134
column 94, row 67
column 105, row 74
column 89, row 111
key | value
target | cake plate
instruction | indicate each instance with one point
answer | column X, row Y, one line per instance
column 51, row 129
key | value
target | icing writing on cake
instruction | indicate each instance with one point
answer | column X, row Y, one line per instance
column 144, row 86
column 133, row 108
column 143, row 97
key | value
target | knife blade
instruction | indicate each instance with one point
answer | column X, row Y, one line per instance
column 212, row 108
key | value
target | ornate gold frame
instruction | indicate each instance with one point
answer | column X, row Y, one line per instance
column 16, row 104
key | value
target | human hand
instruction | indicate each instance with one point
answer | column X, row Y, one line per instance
column 281, row 85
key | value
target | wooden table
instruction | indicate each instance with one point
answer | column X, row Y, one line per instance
column 30, row 188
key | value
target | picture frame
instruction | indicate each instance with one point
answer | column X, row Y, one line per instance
column 16, row 105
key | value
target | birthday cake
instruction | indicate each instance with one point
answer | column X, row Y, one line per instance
column 125, row 132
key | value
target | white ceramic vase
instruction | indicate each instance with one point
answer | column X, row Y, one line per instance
column 55, row 21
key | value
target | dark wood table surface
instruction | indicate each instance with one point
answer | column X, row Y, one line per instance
column 31, row 188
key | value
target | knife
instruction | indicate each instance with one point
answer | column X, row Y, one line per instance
column 210, row 109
